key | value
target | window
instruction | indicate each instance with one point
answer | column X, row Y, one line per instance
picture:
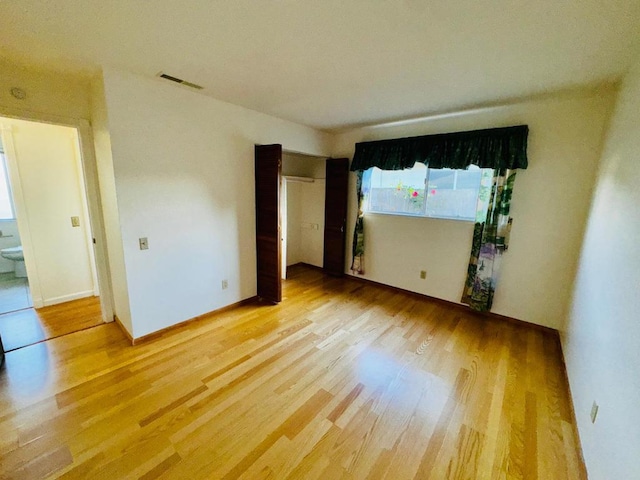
column 422, row 191
column 6, row 205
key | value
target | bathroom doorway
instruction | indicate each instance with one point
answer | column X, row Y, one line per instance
column 48, row 274
column 14, row 283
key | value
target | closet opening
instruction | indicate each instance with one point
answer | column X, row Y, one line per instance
column 302, row 210
column 301, row 215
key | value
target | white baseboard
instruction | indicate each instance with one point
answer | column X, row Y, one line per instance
column 67, row 298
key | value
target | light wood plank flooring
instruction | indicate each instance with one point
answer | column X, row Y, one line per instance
column 341, row 381
column 29, row 326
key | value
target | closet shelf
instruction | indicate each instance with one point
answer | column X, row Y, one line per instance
column 293, row 178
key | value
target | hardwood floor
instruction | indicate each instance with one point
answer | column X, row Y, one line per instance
column 29, row 326
column 342, row 380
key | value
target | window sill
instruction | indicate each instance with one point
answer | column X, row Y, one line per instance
column 393, row 214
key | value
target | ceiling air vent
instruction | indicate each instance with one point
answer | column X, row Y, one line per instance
column 180, row 81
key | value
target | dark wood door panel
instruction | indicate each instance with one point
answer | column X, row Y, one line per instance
column 334, row 242
column 335, row 215
column 268, row 162
column 268, row 271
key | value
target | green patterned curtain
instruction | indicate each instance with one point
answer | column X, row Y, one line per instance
column 490, row 238
column 357, row 265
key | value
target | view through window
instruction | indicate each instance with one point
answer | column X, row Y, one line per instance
column 422, row 191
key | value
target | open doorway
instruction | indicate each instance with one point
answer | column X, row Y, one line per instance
column 48, row 274
column 302, row 210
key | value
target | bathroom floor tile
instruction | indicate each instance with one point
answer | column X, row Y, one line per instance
column 29, row 326
column 14, row 293
column 20, row 328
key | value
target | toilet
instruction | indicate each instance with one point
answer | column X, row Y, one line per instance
column 15, row 254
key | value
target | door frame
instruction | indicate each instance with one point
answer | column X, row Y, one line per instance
column 92, row 190
column 284, row 222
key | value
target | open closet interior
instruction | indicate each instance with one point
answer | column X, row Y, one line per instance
column 302, row 203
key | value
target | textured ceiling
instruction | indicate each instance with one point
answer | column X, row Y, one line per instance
column 331, row 64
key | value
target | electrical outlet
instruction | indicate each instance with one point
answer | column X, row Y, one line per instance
column 423, row 274
column 225, row 284
column 75, row 221
column 594, row 412
column 144, row 243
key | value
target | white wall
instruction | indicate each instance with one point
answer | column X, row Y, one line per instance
column 184, row 177
column 602, row 336
column 549, row 208
column 305, row 222
column 294, row 220
column 47, row 183
column 303, row 165
column 312, row 223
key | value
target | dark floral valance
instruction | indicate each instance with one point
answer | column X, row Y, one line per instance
column 495, row 148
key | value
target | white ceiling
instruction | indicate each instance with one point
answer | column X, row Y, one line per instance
column 336, row 63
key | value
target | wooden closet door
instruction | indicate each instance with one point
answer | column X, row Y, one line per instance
column 335, row 215
column 268, row 164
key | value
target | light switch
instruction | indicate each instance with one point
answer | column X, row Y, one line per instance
column 75, row 221
column 144, row 244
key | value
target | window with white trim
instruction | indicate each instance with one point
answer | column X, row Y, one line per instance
column 425, row 192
